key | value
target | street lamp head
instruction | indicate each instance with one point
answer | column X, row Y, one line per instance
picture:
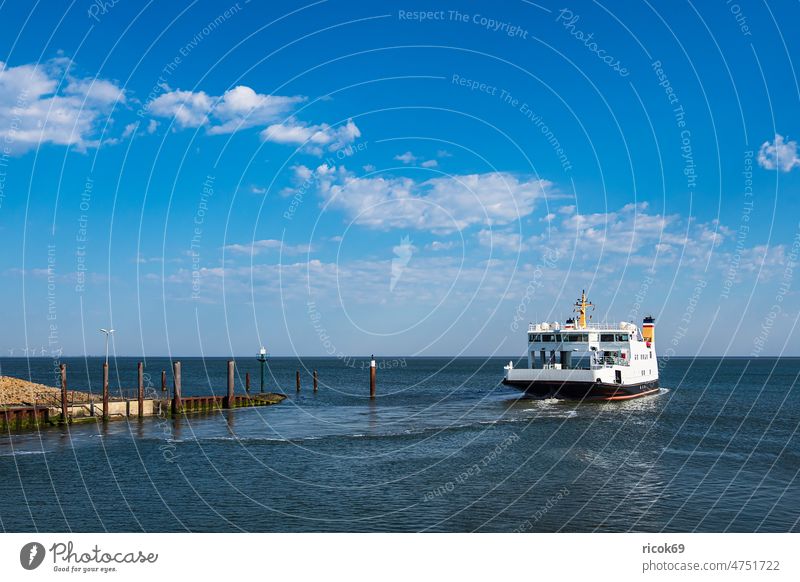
column 263, row 351
column 108, row 333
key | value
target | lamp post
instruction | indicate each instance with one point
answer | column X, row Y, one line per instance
column 262, row 357
column 108, row 332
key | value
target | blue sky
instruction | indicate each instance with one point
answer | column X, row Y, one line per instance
column 339, row 178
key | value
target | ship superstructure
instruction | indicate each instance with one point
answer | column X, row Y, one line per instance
column 588, row 361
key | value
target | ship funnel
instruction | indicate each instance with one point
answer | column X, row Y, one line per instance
column 649, row 329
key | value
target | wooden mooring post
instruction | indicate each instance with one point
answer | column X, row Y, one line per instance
column 228, row 401
column 105, row 390
column 64, row 416
column 163, row 381
column 315, row 380
column 140, row 379
column 247, row 383
column 297, row 380
column 372, row 376
column 177, row 405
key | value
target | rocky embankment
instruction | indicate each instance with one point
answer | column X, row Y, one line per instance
column 16, row 392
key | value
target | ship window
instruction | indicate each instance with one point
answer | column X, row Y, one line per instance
column 532, row 337
column 547, row 337
column 557, row 337
column 621, row 337
column 606, row 337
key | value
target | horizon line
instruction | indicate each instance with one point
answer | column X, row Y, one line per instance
column 343, row 358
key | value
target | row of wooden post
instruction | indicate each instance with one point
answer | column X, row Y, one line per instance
column 177, row 405
column 140, row 392
column 227, row 402
column 315, row 380
column 373, row 369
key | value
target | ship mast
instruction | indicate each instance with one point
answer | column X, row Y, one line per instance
column 580, row 308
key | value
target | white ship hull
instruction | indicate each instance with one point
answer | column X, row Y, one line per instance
column 578, row 384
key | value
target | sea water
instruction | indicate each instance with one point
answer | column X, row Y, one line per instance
column 444, row 447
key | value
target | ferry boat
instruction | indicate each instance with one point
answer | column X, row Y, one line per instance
column 588, row 361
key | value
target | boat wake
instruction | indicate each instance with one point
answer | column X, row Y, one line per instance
column 526, row 416
column 22, row 453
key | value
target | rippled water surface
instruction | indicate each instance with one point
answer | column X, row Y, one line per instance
column 444, row 447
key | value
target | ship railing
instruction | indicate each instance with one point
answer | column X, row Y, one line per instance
column 609, row 361
column 606, row 325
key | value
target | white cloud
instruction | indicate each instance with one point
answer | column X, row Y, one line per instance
column 623, row 231
column 302, row 173
column 441, row 245
column 238, row 108
column 425, row 280
column 265, row 245
column 143, row 260
column 189, row 109
column 444, row 154
column 633, row 235
column 95, row 91
column 505, row 241
column 129, row 129
column 406, row 158
column 45, row 103
column 313, row 137
column 132, row 128
column 683, row 246
column 241, row 107
column 429, row 164
column 440, row 204
column 778, row 154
